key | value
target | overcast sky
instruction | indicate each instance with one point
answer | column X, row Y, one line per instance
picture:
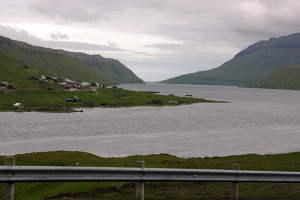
column 156, row 39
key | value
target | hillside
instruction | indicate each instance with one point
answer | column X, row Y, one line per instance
column 24, row 88
column 60, row 63
column 255, row 63
column 285, row 78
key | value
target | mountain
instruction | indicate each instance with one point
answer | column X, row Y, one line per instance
column 71, row 65
column 263, row 64
column 285, row 78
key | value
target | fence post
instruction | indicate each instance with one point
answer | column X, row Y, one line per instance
column 8, row 193
column 235, row 185
column 140, row 185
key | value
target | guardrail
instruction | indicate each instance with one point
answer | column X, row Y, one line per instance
column 14, row 174
column 17, row 174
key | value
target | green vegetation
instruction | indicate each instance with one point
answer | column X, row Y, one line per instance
column 43, row 96
column 284, row 78
column 71, row 65
column 123, row 191
column 56, row 100
column 263, row 63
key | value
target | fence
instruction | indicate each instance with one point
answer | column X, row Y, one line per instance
column 14, row 174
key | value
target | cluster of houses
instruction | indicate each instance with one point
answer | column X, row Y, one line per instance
column 68, row 84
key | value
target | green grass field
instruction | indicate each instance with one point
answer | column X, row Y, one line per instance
column 54, row 100
column 122, row 191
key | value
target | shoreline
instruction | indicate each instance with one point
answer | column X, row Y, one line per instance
column 42, row 146
column 80, row 109
column 144, row 155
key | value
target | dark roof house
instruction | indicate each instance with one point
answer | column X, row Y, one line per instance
column 4, row 84
column 73, row 99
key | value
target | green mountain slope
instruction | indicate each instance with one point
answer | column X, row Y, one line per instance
column 13, row 72
column 250, row 65
column 75, row 66
column 285, row 78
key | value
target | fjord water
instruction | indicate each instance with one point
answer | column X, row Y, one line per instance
column 259, row 121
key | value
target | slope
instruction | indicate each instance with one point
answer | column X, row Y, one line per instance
column 250, row 65
column 285, row 78
column 76, row 66
column 12, row 71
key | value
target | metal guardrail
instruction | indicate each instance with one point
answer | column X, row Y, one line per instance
column 10, row 174
column 88, row 174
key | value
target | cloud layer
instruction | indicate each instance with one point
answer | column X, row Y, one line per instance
column 157, row 39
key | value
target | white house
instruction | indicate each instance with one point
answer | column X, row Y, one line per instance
column 18, row 106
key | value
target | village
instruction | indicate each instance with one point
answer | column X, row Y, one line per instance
column 67, row 85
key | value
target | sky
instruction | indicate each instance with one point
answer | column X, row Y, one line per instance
column 156, row 39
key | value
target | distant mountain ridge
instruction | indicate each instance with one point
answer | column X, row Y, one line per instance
column 250, row 67
column 73, row 65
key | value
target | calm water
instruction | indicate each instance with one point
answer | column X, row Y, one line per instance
column 256, row 121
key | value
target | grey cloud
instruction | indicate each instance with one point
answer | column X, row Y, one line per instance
column 19, row 34
column 189, row 20
column 81, row 46
column 89, row 10
column 110, row 43
column 65, row 11
column 58, row 36
column 167, row 46
column 22, row 35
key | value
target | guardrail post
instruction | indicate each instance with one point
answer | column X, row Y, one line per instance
column 235, row 186
column 140, row 185
column 8, row 193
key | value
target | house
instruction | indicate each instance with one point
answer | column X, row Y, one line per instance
column 73, row 99
column 4, row 84
column 69, row 81
column 18, row 106
column 42, row 78
column 69, row 87
column 61, row 81
column 85, row 84
column 39, row 78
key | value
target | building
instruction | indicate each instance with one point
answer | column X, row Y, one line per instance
column 18, row 106
column 73, row 99
column 4, row 84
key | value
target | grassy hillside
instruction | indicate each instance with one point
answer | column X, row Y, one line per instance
column 13, row 72
column 253, row 64
column 124, row 191
column 285, row 78
column 195, row 79
column 75, row 66
column 37, row 96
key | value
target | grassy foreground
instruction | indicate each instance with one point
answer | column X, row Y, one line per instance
column 122, row 191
